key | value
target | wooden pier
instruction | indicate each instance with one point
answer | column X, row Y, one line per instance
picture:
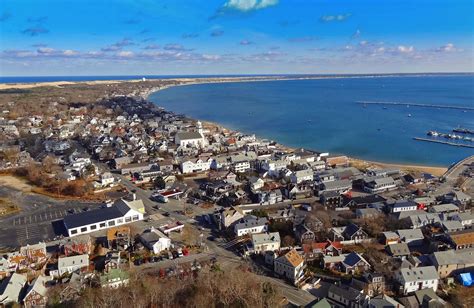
column 445, row 142
column 464, row 108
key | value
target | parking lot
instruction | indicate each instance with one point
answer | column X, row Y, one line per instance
column 47, row 216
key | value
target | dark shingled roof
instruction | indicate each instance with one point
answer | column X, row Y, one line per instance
column 352, row 259
column 95, row 216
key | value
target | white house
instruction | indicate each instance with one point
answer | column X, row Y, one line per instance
column 302, row 176
column 241, row 166
column 122, row 212
column 230, row 216
column 290, row 265
column 71, row 264
column 155, row 241
column 418, row 278
column 402, row 206
column 192, row 139
column 195, row 165
column 262, row 242
column 274, row 166
column 256, row 183
column 251, row 225
column 379, row 185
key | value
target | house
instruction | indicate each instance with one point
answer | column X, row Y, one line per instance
column 230, row 215
column 256, row 183
column 304, row 234
column 367, row 213
column 299, row 191
column 328, row 248
column 346, row 263
column 466, row 218
column 423, row 219
column 282, row 215
column 36, row 293
column 462, row 239
column 300, row 176
column 114, row 278
column 364, row 201
column 354, row 263
column 351, row 232
column 290, row 265
column 330, row 198
column 402, row 206
column 398, row 250
column 379, row 185
column 155, row 241
column 270, row 196
column 251, row 225
column 444, row 208
column 383, row 301
column 262, row 242
column 413, row 237
column 339, row 186
column 11, row 289
column 122, row 212
column 370, row 283
column 189, row 139
column 135, row 168
column 345, row 296
column 452, row 262
column 390, row 237
column 413, row 279
column 81, row 244
column 192, row 165
column 452, row 226
column 68, row 265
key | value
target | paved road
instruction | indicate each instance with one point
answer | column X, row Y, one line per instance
column 452, row 175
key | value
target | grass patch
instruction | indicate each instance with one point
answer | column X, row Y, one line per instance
column 7, row 207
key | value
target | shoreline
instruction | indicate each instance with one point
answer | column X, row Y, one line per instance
column 435, row 170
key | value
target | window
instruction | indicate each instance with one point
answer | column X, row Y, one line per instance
column 135, row 217
column 120, row 221
column 111, row 223
column 84, row 229
column 128, row 219
column 74, row 231
column 102, row 225
column 93, row 227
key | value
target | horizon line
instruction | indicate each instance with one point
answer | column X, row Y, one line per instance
column 263, row 74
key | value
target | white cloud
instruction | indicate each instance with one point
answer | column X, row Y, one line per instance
column 405, row 49
column 339, row 17
column 449, row 47
column 125, row 54
column 70, row 52
column 45, row 50
column 249, row 5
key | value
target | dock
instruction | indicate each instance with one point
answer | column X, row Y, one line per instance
column 445, row 142
column 464, row 108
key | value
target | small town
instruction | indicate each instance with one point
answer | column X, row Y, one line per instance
column 97, row 196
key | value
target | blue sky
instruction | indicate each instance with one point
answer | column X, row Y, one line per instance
column 125, row 37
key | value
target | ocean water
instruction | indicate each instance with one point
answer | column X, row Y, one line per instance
column 324, row 115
